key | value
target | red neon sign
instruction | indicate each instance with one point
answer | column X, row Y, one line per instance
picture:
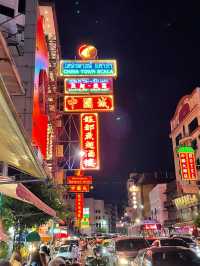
column 89, row 142
column 79, row 180
column 79, row 206
column 79, row 188
column 92, row 103
column 188, row 165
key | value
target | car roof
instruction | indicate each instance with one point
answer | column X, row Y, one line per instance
column 128, row 237
column 168, row 248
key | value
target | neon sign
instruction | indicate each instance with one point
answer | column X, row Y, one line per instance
column 187, row 163
column 89, row 142
column 93, row 103
column 79, row 180
column 79, row 188
column 87, row 68
column 88, row 86
column 79, row 205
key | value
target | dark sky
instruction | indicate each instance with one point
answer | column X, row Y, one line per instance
column 157, row 46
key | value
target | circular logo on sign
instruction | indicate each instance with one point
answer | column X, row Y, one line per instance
column 87, row 52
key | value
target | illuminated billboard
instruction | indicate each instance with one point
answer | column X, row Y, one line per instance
column 187, row 163
column 88, row 86
column 79, row 201
column 92, row 103
column 79, row 188
column 89, row 142
column 88, row 68
column 39, row 115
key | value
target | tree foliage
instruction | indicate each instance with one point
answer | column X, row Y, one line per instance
column 27, row 215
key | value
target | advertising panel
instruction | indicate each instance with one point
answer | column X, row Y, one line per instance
column 79, row 180
column 79, row 206
column 39, row 115
column 88, row 86
column 88, row 68
column 93, row 103
column 85, row 222
column 79, row 188
column 89, row 142
column 187, row 163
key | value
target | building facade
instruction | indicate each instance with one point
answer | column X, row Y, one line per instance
column 30, row 30
column 157, row 198
column 185, row 131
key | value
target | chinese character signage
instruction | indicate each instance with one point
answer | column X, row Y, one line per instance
column 79, row 180
column 93, row 103
column 85, row 222
column 88, row 86
column 186, row 201
column 88, row 68
column 89, row 142
column 187, row 163
column 79, row 206
column 79, row 188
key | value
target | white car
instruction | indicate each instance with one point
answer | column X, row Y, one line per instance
column 65, row 252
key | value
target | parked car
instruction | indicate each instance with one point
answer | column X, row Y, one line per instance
column 166, row 256
column 125, row 249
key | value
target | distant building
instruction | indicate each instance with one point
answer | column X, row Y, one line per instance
column 99, row 218
column 139, row 186
column 185, row 131
column 111, row 214
column 157, row 198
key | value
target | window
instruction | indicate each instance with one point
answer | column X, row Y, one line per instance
column 178, row 138
column 194, row 144
column 7, row 11
column 21, row 6
column 193, row 125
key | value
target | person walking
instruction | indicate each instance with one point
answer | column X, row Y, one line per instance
column 16, row 259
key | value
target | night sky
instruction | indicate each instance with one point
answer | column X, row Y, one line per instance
column 157, row 46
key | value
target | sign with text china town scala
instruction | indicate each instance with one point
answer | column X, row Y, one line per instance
column 89, row 142
column 187, row 163
column 88, row 68
column 88, row 86
column 92, row 103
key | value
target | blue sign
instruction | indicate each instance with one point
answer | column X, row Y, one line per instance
column 84, row 68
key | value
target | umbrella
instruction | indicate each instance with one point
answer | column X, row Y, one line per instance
column 61, row 235
column 33, row 236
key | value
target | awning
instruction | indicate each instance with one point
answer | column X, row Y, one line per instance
column 8, row 70
column 15, row 146
column 20, row 192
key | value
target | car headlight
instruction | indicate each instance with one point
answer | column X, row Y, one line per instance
column 123, row 261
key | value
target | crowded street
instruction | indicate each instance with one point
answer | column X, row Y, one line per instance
column 99, row 133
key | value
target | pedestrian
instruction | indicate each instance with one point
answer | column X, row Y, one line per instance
column 57, row 262
column 36, row 259
column 45, row 254
column 16, row 259
column 5, row 263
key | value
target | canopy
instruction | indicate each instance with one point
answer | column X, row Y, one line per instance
column 16, row 149
column 20, row 192
column 8, row 69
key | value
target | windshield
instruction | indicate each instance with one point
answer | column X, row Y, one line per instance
column 172, row 242
column 130, row 244
column 176, row 258
column 64, row 249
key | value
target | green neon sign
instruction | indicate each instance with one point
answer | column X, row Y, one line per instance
column 88, row 68
column 186, row 149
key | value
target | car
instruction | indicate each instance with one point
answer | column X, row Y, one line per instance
column 65, row 252
column 167, row 241
column 125, row 249
column 166, row 256
column 190, row 241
